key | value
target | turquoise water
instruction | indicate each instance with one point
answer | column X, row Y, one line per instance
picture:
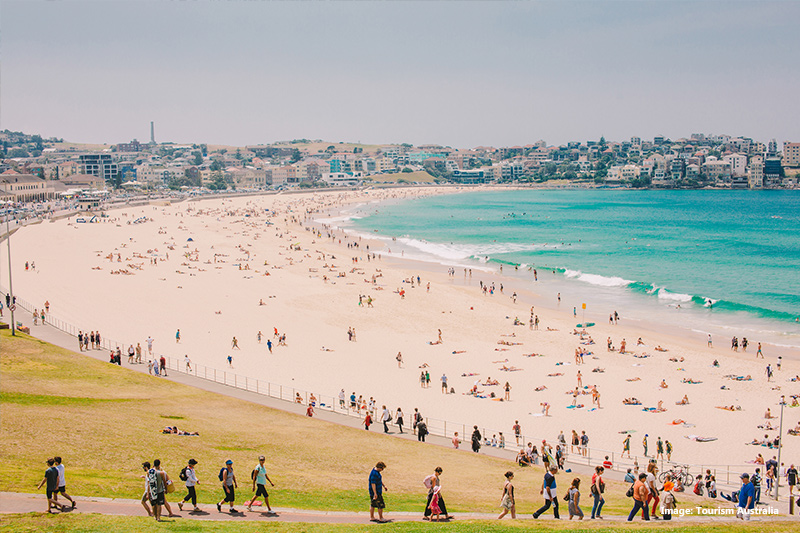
column 730, row 257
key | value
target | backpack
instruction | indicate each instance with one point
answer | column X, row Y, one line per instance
column 428, row 482
column 222, row 473
column 629, row 493
column 254, row 474
column 698, row 488
column 183, row 475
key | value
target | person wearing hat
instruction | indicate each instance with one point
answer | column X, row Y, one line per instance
column 746, row 498
column 260, row 479
column 229, row 485
column 190, row 477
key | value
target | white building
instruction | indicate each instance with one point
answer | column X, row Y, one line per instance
column 738, row 163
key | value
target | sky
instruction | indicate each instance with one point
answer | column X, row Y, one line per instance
column 460, row 74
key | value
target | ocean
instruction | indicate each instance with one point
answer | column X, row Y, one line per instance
column 720, row 262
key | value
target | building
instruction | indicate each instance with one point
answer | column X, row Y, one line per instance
column 738, row 164
column 773, row 172
column 342, row 179
column 717, row 171
column 25, row 187
column 66, row 169
column 132, row 146
column 83, row 181
column 100, row 165
column 470, row 176
column 791, row 154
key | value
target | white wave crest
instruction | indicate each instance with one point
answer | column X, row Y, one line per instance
column 596, row 279
column 463, row 251
column 664, row 294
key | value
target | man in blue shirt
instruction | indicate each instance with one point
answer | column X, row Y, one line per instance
column 746, row 498
column 549, row 493
column 376, row 488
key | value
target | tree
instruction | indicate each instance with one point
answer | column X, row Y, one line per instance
column 18, row 152
column 198, row 158
column 218, row 183
column 296, row 156
column 215, row 165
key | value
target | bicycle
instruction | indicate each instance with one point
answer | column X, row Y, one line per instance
column 678, row 472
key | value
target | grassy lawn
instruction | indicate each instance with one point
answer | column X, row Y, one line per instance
column 30, row 523
column 104, row 420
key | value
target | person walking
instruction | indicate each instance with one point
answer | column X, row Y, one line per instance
column 597, row 490
column 548, row 490
column 156, row 488
column 434, row 483
column 189, row 477
column 422, row 430
column 398, row 419
column 639, row 498
column 574, row 496
column 517, row 431
column 476, row 440
column 626, row 445
column 50, row 480
column 376, row 488
column 62, row 481
column 229, row 484
column 747, row 500
column 652, row 491
column 791, row 478
column 507, row 502
column 260, row 479
column 386, row 417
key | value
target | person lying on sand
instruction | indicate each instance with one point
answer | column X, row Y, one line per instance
column 540, row 388
column 490, row 382
column 423, row 365
column 690, row 381
column 507, row 343
column 631, row 401
column 551, row 329
column 634, row 379
column 555, row 374
column 729, row 407
column 660, row 349
column 599, row 370
column 459, row 351
column 512, row 368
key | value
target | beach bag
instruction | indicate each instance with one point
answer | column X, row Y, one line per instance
column 183, row 475
column 170, row 487
column 566, row 497
column 629, row 493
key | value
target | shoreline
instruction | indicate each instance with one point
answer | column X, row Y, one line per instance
column 306, row 294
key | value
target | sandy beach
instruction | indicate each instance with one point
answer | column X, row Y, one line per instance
column 223, row 268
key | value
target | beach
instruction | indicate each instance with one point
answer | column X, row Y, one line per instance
column 222, row 268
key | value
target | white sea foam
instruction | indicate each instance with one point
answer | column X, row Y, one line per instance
column 664, row 294
column 596, row 279
column 463, row 251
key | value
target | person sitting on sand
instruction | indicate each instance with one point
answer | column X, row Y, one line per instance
column 664, row 384
column 660, row 407
column 684, row 401
column 640, row 342
column 768, row 414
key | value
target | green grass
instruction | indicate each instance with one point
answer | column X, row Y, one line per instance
column 104, row 420
column 80, row 523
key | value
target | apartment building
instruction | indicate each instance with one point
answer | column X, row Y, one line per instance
column 791, row 154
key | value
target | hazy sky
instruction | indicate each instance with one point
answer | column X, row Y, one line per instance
column 455, row 73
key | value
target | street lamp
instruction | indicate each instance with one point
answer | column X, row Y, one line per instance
column 780, row 445
column 10, row 286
